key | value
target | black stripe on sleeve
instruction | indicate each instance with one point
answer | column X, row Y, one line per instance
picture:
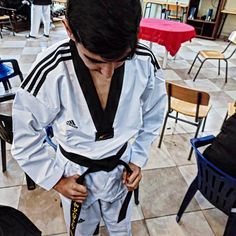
column 45, row 66
column 27, row 80
column 43, row 78
column 144, row 51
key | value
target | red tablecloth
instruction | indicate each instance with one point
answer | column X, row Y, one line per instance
column 167, row 33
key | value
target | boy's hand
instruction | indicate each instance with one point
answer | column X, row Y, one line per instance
column 68, row 187
column 132, row 181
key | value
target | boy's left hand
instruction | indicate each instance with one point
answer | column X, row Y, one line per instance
column 132, row 181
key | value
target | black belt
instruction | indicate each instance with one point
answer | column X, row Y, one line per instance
column 106, row 164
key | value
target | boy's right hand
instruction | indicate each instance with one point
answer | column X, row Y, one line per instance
column 68, row 187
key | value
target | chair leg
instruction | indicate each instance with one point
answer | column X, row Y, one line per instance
column 193, row 63
column 176, row 117
column 226, row 71
column 218, row 67
column 204, row 123
column 230, row 228
column 13, row 32
column 187, row 198
column 150, row 8
column 30, row 183
column 4, row 158
column 136, row 193
column 200, row 67
column 196, row 134
column 163, row 130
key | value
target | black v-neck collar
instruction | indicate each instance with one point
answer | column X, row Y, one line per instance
column 103, row 119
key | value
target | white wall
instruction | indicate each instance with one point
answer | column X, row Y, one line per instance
column 230, row 23
column 205, row 5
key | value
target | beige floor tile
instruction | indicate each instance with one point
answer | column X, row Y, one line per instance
column 178, row 146
column 13, row 44
column 137, row 213
column 139, row 228
column 13, row 176
column 10, row 196
column 217, row 220
column 219, row 99
column 159, row 157
column 43, row 208
column 204, row 85
column 162, row 191
column 178, row 64
column 214, row 121
column 171, row 75
column 192, row 224
column 232, row 94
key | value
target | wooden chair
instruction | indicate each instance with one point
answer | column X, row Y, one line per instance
column 205, row 55
column 5, row 19
column 147, row 5
column 9, row 68
column 174, row 12
column 231, row 110
column 189, row 102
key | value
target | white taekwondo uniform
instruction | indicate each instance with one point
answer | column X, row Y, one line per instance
column 40, row 9
column 59, row 90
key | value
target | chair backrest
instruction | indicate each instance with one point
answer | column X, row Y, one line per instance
column 232, row 37
column 217, row 187
column 232, row 40
column 6, row 128
column 5, row 72
column 187, row 94
column 9, row 68
column 174, row 11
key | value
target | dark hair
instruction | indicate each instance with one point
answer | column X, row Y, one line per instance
column 105, row 27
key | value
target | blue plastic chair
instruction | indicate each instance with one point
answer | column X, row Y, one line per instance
column 9, row 68
column 215, row 185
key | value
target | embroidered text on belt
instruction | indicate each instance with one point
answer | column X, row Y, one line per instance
column 106, row 164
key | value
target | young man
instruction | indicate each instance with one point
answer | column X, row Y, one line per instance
column 105, row 97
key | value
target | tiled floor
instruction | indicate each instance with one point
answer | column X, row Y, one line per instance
column 168, row 173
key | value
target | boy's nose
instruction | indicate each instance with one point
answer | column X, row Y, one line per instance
column 107, row 70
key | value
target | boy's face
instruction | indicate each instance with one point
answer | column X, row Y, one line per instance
column 96, row 63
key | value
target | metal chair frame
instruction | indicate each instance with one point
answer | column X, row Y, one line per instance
column 214, row 58
column 198, row 120
column 216, row 186
column 6, row 120
column 178, row 14
column 6, row 19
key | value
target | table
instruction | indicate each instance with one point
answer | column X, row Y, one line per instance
column 225, row 13
column 170, row 34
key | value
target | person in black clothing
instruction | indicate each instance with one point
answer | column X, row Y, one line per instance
column 40, row 9
column 222, row 151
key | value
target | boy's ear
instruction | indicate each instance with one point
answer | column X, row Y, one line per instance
column 68, row 29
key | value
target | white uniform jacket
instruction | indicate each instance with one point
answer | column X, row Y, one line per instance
column 59, row 91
